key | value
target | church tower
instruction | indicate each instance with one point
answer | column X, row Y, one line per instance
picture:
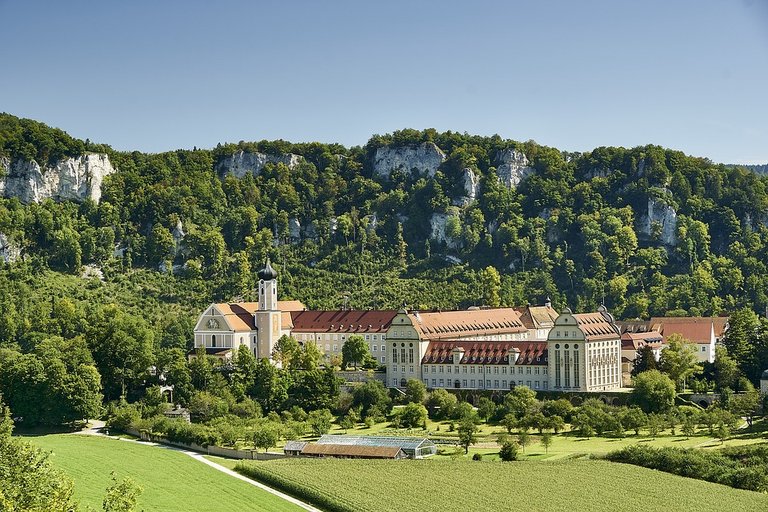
column 268, row 315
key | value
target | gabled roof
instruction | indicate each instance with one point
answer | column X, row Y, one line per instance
column 239, row 315
column 635, row 340
column 537, row 317
column 486, row 352
column 466, row 323
column 346, row 321
column 697, row 329
column 596, row 327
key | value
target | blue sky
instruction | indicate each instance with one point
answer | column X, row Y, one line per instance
column 160, row 75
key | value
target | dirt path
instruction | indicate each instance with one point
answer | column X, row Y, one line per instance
column 95, row 429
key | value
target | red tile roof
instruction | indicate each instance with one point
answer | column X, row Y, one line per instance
column 349, row 321
column 635, row 340
column 486, row 352
column 695, row 329
column 596, row 327
column 345, row 450
column 537, row 317
column 463, row 324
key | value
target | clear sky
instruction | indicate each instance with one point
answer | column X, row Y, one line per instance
column 159, row 75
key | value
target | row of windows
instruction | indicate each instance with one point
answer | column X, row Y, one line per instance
column 536, row 370
column 479, row 383
column 337, row 337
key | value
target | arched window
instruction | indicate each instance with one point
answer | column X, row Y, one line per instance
column 456, row 384
column 213, row 340
column 402, row 383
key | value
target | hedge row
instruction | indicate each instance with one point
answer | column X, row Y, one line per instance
column 743, row 468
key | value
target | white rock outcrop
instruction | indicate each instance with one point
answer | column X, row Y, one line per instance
column 241, row 163
column 294, row 229
column 438, row 225
column 424, row 158
column 76, row 178
column 8, row 251
column 512, row 167
column 471, row 188
column 663, row 215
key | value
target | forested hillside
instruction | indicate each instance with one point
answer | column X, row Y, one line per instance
column 650, row 231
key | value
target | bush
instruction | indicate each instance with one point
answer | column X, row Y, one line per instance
column 123, row 417
column 477, row 456
column 508, row 451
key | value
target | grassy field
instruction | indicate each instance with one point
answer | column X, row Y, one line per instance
column 372, row 486
column 172, row 481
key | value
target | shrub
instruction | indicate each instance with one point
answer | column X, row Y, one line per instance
column 508, row 451
column 477, row 456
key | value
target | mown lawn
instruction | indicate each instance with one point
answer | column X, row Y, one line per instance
column 172, row 481
column 372, row 486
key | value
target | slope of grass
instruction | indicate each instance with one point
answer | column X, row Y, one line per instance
column 466, row 485
column 172, row 481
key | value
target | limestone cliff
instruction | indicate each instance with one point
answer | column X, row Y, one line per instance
column 659, row 220
column 512, row 167
column 471, row 185
column 76, row 178
column 8, row 251
column 241, row 163
column 424, row 158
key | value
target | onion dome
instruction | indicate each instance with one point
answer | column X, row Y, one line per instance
column 267, row 273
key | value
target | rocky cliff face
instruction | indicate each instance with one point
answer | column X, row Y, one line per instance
column 8, row 252
column 438, row 225
column 512, row 167
column 425, row 158
column 241, row 163
column 74, row 179
column 659, row 220
column 471, row 188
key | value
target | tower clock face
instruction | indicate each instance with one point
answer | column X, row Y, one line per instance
column 213, row 323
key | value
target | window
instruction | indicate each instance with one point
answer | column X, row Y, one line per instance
column 576, row 369
column 567, row 369
column 442, row 382
column 504, row 383
column 440, row 369
column 528, row 383
column 383, row 359
column 410, row 369
column 496, row 370
column 373, row 348
column 528, row 370
column 327, row 347
column 394, row 383
column 335, row 347
column 434, row 382
column 410, row 355
column 473, row 382
column 472, row 370
column 367, row 337
column 464, row 369
column 213, row 340
column 557, row 368
column 449, row 369
column 487, row 384
column 394, row 355
column 402, row 355
column 496, row 383
column 519, row 370
column 464, row 382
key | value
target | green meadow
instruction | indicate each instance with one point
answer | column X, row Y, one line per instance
column 172, row 481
